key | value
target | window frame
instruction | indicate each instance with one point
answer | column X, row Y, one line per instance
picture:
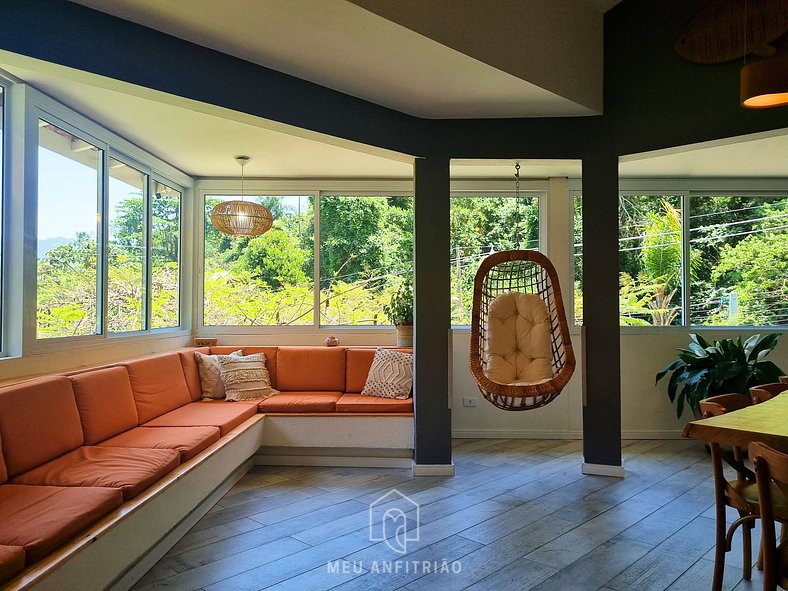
column 39, row 106
column 686, row 188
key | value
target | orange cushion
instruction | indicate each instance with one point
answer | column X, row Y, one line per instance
column 191, row 372
column 129, row 469
column 358, row 363
column 207, row 413
column 158, row 384
column 41, row 518
column 105, row 403
column 38, row 421
column 3, row 469
column 301, row 402
column 359, row 403
column 310, row 369
column 12, row 561
column 187, row 441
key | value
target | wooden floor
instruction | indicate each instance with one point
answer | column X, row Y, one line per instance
column 518, row 515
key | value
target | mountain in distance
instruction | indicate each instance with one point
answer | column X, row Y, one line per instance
column 44, row 246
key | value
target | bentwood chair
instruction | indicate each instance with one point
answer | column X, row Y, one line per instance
column 784, row 379
column 741, row 493
column 771, row 469
column 766, row 392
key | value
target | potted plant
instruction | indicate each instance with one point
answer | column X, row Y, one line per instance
column 727, row 366
column 400, row 312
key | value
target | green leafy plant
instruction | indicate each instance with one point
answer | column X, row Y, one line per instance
column 400, row 310
column 727, row 366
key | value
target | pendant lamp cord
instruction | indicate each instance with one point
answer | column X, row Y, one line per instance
column 517, row 203
column 744, row 57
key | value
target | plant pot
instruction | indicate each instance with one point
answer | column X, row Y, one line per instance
column 404, row 335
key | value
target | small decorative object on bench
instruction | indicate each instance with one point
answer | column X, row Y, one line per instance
column 400, row 312
column 332, row 341
column 391, row 375
column 245, row 378
column 211, row 375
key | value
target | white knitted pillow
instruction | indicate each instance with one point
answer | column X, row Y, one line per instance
column 211, row 375
column 246, row 378
column 391, row 375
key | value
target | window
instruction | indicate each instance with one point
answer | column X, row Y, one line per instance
column 165, row 256
column 650, row 260
column 69, row 174
column 126, row 254
column 264, row 280
column 481, row 225
column 577, row 257
column 2, row 203
column 366, row 250
column 738, row 260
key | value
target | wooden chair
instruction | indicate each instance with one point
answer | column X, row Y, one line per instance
column 740, row 494
column 766, row 392
column 784, row 379
column 771, row 469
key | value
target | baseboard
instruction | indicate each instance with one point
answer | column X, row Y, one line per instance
column 157, row 552
column 333, row 461
column 603, row 470
column 433, row 469
column 514, row 434
column 567, row 434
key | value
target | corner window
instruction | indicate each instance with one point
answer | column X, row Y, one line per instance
column 165, row 256
column 69, row 175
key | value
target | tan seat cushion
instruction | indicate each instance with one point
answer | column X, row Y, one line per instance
column 518, row 340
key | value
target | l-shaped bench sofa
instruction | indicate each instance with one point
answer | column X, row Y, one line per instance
column 103, row 470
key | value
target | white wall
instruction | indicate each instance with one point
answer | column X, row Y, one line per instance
column 646, row 411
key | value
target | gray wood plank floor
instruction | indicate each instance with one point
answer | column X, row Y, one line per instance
column 518, row 515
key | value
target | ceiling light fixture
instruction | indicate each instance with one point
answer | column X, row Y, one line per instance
column 764, row 83
column 239, row 217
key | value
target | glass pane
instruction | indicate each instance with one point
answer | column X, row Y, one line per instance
column 126, row 248
column 2, row 185
column 264, row 280
column 650, row 260
column 366, row 251
column 738, row 260
column 68, row 210
column 577, row 208
column 165, row 256
column 481, row 225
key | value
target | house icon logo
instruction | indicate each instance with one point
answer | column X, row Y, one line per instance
column 394, row 519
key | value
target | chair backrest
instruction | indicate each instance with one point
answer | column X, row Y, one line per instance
column 771, row 470
column 766, row 392
column 784, row 379
column 715, row 406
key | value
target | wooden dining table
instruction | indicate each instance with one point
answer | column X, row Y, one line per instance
column 766, row 422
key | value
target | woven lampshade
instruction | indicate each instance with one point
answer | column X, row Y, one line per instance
column 241, row 218
column 764, row 83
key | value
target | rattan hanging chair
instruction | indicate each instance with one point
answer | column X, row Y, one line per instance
column 520, row 272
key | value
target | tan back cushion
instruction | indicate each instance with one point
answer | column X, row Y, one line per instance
column 518, row 340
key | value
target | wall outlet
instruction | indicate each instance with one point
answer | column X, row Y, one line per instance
column 469, row 402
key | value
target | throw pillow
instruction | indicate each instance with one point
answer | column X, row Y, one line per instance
column 245, row 378
column 391, row 375
column 211, row 375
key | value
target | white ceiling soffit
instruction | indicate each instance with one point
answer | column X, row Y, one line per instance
column 761, row 155
column 201, row 139
column 464, row 59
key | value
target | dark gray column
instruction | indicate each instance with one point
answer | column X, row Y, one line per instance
column 432, row 314
column 602, row 371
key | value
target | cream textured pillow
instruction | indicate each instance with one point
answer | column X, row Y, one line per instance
column 245, row 378
column 518, row 348
column 211, row 375
column 391, row 375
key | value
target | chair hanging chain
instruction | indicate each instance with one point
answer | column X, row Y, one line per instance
column 517, row 203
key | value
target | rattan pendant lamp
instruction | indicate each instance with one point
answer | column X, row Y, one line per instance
column 239, row 217
column 508, row 280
